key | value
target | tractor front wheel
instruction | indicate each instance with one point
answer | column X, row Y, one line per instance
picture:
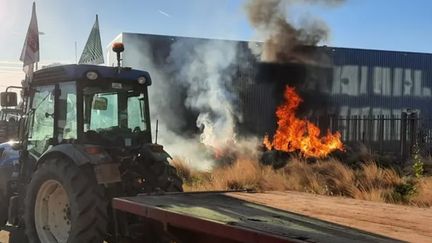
column 64, row 203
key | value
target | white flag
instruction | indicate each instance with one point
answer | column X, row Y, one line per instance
column 30, row 51
column 92, row 53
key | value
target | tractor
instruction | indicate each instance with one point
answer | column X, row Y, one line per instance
column 85, row 138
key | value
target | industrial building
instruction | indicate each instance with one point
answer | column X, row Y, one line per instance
column 364, row 94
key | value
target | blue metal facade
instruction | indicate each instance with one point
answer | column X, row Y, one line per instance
column 341, row 82
column 372, row 82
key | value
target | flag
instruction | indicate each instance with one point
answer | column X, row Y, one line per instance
column 92, row 53
column 30, row 51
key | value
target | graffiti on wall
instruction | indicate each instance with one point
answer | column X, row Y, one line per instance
column 356, row 80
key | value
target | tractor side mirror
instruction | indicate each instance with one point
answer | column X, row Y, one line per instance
column 100, row 103
column 8, row 99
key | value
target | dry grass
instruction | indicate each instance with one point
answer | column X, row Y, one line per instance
column 423, row 197
column 329, row 177
column 243, row 174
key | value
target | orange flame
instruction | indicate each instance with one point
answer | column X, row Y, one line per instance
column 294, row 134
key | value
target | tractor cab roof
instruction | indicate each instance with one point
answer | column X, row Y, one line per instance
column 71, row 72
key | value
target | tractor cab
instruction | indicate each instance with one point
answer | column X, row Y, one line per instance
column 87, row 104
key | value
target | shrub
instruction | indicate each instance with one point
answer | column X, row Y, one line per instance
column 423, row 197
column 325, row 177
column 417, row 162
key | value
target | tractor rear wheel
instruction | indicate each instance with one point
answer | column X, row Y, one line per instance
column 64, row 203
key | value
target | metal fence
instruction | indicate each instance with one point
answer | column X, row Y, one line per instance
column 382, row 134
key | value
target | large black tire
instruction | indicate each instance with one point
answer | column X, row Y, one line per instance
column 88, row 205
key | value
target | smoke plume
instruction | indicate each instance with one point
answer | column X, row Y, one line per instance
column 283, row 41
column 205, row 70
column 194, row 80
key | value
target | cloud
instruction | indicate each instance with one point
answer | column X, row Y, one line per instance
column 164, row 13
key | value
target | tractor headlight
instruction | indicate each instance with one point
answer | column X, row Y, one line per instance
column 142, row 80
column 92, row 75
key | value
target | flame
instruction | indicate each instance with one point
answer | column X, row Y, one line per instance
column 294, row 134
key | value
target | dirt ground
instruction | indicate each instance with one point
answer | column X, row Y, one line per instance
column 399, row 222
column 4, row 236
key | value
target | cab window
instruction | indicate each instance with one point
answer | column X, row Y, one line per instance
column 42, row 120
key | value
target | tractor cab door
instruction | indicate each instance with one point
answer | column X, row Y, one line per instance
column 41, row 120
column 48, row 127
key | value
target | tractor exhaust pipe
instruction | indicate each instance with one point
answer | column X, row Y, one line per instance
column 157, row 130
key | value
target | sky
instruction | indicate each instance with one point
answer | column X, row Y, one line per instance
column 399, row 25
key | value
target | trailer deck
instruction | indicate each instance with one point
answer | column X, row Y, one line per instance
column 219, row 216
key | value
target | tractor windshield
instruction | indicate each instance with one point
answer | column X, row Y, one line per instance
column 114, row 115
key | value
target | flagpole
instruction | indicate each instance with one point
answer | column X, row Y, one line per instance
column 30, row 52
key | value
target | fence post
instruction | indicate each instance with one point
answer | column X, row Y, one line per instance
column 381, row 133
column 359, row 128
column 403, row 128
column 363, row 129
column 371, row 129
column 332, row 123
column 413, row 130
column 348, row 128
column 324, row 124
column 354, row 129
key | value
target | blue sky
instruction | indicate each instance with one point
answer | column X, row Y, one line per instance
column 373, row 24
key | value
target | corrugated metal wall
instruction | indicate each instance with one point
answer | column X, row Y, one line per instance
column 351, row 82
column 369, row 82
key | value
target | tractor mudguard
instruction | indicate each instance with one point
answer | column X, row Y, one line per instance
column 79, row 154
column 106, row 170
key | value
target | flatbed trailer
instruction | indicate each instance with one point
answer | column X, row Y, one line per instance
column 218, row 217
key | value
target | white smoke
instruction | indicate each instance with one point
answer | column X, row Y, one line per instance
column 206, row 72
column 196, row 76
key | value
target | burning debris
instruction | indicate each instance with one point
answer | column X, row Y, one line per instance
column 294, row 134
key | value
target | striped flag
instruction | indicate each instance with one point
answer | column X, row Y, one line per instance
column 30, row 51
column 92, row 53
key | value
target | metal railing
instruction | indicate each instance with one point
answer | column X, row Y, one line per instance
column 382, row 134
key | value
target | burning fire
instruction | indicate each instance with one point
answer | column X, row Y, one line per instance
column 294, row 134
